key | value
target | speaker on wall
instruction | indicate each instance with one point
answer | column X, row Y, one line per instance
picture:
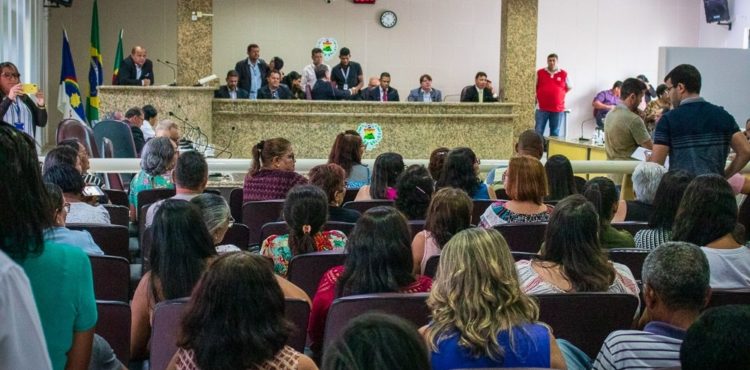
column 716, row 10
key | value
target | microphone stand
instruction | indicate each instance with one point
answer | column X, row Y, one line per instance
column 192, row 128
column 174, row 71
column 583, row 123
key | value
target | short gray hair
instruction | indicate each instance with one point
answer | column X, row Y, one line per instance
column 214, row 210
column 165, row 124
column 646, row 178
column 678, row 272
column 157, row 156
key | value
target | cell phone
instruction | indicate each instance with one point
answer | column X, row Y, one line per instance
column 29, row 89
column 92, row 191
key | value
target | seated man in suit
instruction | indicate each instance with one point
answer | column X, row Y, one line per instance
column 231, row 90
column 324, row 89
column 136, row 70
column 425, row 92
column 274, row 89
column 479, row 92
column 134, row 119
column 385, row 92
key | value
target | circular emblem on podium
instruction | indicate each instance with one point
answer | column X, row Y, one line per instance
column 371, row 134
column 329, row 46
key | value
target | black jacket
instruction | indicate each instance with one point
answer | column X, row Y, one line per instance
column 244, row 70
column 469, row 94
column 223, row 93
column 283, row 92
column 38, row 115
column 127, row 73
column 323, row 90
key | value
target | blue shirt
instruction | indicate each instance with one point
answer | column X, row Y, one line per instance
column 255, row 80
column 81, row 239
column 698, row 135
column 531, row 348
column 481, row 192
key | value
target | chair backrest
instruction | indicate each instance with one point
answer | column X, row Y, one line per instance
column 120, row 135
column 154, row 195
column 164, row 328
column 631, row 226
column 258, row 213
column 480, row 205
column 409, row 306
column 112, row 179
column 111, row 278
column 363, row 205
column 235, row 204
column 344, row 227
column 166, row 324
column 73, row 129
column 298, row 312
column 501, row 194
column 114, row 326
column 585, row 319
column 350, row 195
column 723, row 297
column 118, row 215
column 523, row 237
column 519, row 256
column 416, row 226
column 238, row 235
column 631, row 257
column 145, row 240
column 273, row 228
column 430, row 268
column 305, row 270
column 117, row 197
column 112, row 239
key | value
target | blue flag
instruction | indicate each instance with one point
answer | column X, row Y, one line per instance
column 69, row 101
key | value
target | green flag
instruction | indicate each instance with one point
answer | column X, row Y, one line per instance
column 118, row 59
column 96, row 75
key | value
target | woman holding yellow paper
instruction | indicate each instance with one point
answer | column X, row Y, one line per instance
column 16, row 104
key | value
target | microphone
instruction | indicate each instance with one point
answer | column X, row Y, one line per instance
column 583, row 123
column 170, row 66
column 193, row 132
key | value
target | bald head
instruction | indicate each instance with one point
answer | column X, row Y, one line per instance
column 138, row 54
column 374, row 82
column 530, row 143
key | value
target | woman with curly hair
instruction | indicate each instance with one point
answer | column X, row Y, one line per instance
column 480, row 317
column 416, row 187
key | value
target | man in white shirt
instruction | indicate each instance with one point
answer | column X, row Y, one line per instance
column 149, row 114
column 308, row 73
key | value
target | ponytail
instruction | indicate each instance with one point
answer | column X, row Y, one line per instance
column 601, row 192
column 257, row 151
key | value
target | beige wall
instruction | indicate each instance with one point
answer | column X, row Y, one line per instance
column 152, row 24
column 449, row 39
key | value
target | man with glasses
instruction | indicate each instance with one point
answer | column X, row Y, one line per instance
column 425, row 92
column 695, row 134
column 16, row 107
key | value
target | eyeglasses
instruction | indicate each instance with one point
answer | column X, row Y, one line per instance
column 230, row 221
column 11, row 75
column 66, row 207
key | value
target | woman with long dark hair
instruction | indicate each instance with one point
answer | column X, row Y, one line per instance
column 449, row 212
column 379, row 261
column 181, row 248
column 572, row 259
column 559, row 177
column 387, row 168
column 415, row 186
column 305, row 212
column 666, row 201
column 437, row 160
column 330, row 178
column 707, row 217
column 294, row 82
column 271, row 174
column 235, row 320
column 461, row 170
column 601, row 192
column 347, row 152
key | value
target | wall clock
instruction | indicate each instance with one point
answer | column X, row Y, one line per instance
column 388, row 19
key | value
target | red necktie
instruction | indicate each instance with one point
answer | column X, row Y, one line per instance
column 385, row 95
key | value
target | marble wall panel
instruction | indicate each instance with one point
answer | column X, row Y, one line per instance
column 518, row 39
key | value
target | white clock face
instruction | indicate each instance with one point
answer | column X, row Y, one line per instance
column 388, row 19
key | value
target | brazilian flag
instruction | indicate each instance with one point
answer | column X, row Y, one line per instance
column 118, row 59
column 96, row 75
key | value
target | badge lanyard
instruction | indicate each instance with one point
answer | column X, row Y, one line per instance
column 17, row 122
column 346, row 76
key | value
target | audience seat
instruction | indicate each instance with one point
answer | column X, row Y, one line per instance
column 257, row 214
column 430, row 268
column 113, row 239
column 631, row 226
column 114, row 326
column 350, row 195
column 280, row 228
column 305, row 270
column 723, row 297
column 409, row 306
column 501, row 194
column 238, row 235
column 111, row 278
column 168, row 315
column 118, row 215
column 523, row 237
column 363, row 205
column 146, row 197
column 117, row 197
column 631, row 257
column 743, row 217
column 120, row 135
column 235, row 204
column 113, row 180
column 585, row 319
column 480, row 205
column 416, row 226
column 73, row 129
column 518, row 256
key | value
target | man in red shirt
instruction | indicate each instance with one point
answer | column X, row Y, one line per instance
column 551, row 86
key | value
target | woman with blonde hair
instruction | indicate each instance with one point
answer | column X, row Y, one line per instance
column 480, row 317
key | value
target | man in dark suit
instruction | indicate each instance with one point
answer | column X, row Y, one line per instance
column 274, row 90
column 324, row 89
column 136, row 70
column 347, row 74
column 253, row 71
column 384, row 92
column 134, row 119
column 230, row 90
column 480, row 92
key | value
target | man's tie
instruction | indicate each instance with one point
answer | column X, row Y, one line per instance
column 385, row 95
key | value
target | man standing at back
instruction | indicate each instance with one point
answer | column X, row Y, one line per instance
column 308, row 73
column 253, row 71
column 695, row 134
column 347, row 74
column 136, row 69
column 551, row 86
